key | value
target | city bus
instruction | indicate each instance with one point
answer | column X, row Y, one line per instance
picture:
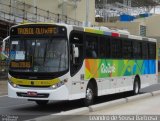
column 66, row 62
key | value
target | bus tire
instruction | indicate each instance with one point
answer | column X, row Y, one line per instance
column 136, row 86
column 41, row 102
column 90, row 94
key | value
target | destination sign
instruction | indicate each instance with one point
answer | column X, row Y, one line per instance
column 20, row 64
column 39, row 30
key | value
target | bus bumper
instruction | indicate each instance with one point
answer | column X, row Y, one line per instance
column 60, row 93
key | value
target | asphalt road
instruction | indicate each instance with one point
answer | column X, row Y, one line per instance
column 27, row 110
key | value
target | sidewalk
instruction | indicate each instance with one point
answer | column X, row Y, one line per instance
column 146, row 106
column 3, row 87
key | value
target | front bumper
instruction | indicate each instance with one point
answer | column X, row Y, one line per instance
column 60, row 93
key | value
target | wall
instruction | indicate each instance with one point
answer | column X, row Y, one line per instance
column 153, row 26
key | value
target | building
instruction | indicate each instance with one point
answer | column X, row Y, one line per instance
column 146, row 26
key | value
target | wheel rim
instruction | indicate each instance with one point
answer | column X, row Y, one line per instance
column 136, row 87
column 89, row 94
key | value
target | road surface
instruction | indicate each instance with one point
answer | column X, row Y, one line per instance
column 27, row 110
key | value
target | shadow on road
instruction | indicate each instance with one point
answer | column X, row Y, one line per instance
column 57, row 107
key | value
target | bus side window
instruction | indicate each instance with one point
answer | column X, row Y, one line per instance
column 145, row 50
column 91, row 46
column 116, row 48
column 127, row 49
column 90, row 51
column 102, row 47
column 137, row 50
column 108, row 47
column 152, row 50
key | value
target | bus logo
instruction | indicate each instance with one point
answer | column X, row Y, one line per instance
column 107, row 68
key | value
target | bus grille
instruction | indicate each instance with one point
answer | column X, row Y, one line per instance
column 39, row 95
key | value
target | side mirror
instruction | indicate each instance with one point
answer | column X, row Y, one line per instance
column 4, row 47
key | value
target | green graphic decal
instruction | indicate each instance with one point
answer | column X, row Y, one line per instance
column 101, row 68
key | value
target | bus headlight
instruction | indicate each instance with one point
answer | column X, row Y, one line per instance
column 59, row 84
column 10, row 82
column 13, row 85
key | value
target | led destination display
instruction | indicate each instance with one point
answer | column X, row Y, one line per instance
column 37, row 31
column 31, row 30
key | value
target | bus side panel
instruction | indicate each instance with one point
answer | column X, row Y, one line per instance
column 105, row 68
column 120, row 73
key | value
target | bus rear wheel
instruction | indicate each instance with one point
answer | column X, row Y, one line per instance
column 90, row 94
column 41, row 102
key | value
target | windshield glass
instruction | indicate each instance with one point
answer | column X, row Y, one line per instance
column 39, row 55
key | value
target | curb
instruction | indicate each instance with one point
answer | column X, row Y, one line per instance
column 82, row 111
column 102, row 106
column 155, row 93
column 78, row 111
column 138, row 97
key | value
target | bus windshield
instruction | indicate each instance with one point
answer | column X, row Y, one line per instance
column 38, row 55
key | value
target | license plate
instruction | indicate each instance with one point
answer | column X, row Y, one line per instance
column 31, row 93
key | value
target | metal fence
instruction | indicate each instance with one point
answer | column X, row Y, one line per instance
column 16, row 12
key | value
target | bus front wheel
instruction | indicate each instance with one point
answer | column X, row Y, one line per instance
column 41, row 102
column 89, row 95
column 136, row 86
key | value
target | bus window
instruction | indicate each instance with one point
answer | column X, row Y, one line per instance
column 116, row 51
column 136, row 50
column 108, row 47
column 91, row 46
column 127, row 49
column 144, row 50
column 102, row 47
column 152, row 50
